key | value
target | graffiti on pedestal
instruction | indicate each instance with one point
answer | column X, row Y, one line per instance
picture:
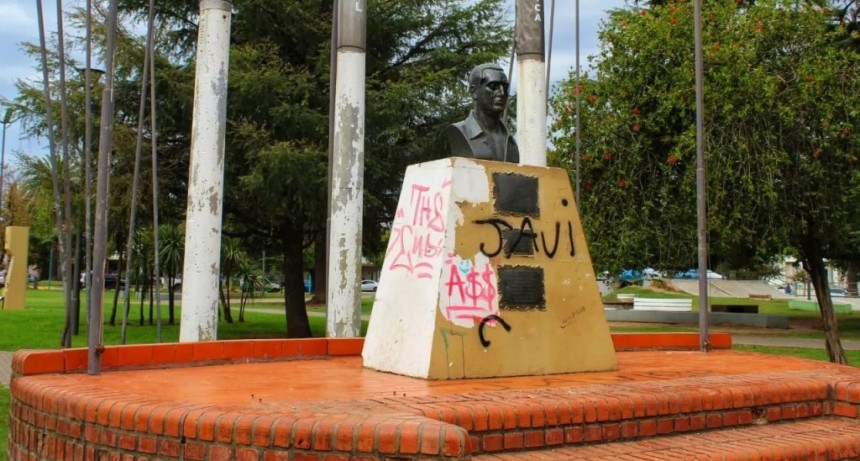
column 418, row 233
column 469, row 290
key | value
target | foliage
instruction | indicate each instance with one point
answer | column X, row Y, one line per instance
column 781, row 137
column 781, row 134
column 171, row 239
column 232, row 258
column 418, row 54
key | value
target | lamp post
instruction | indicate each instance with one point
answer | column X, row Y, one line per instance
column 7, row 119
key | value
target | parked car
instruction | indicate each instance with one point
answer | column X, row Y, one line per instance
column 369, row 285
column 270, row 286
column 836, row 292
column 111, row 282
column 694, row 274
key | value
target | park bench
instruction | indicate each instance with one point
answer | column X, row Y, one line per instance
column 764, row 296
column 663, row 304
column 735, row 308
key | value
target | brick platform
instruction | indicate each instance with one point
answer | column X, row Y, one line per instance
column 312, row 400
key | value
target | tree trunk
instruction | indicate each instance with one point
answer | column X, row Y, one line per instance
column 320, row 288
column 143, row 299
column 814, row 265
column 171, row 297
column 225, row 302
column 298, row 325
column 851, row 279
column 119, row 276
column 151, row 299
column 76, row 285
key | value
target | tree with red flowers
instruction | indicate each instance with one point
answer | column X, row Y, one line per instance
column 782, row 141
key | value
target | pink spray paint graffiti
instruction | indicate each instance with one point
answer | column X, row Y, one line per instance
column 469, row 290
column 418, row 234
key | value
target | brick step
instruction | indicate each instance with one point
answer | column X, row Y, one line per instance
column 599, row 414
column 826, row 438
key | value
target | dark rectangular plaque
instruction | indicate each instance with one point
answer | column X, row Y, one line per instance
column 518, row 242
column 516, row 194
column 521, row 287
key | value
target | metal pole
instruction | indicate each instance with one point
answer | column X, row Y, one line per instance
column 150, row 45
column 549, row 47
column 202, row 265
column 701, row 190
column 102, row 184
column 347, row 185
column 88, row 156
column 66, row 339
column 531, row 87
column 578, row 92
column 71, row 293
column 7, row 119
column 135, row 185
column 332, row 108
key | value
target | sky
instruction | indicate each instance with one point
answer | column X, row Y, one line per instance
column 18, row 24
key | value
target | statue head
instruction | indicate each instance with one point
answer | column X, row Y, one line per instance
column 489, row 87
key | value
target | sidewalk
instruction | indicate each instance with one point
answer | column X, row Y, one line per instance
column 5, row 368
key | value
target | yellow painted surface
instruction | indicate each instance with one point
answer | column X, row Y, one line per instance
column 565, row 333
column 17, row 247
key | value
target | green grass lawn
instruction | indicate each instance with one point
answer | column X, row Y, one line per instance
column 40, row 325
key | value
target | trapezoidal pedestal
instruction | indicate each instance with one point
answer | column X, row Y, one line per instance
column 487, row 274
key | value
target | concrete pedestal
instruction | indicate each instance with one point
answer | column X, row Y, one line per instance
column 487, row 274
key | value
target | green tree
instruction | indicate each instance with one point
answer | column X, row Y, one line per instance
column 172, row 242
column 142, row 271
column 232, row 258
column 174, row 89
column 781, row 139
column 418, row 55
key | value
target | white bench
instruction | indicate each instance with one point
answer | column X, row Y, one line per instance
column 663, row 304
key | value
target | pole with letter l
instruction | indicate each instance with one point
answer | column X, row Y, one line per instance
column 347, row 173
column 202, row 266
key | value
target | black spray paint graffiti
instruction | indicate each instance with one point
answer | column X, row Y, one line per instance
column 526, row 231
column 486, row 342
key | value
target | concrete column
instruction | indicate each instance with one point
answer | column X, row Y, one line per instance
column 347, row 179
column 200, row 276
column 531, row 82
column 15, row 260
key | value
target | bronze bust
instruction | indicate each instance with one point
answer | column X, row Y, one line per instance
column 482, row 134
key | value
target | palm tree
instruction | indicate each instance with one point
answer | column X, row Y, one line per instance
column 172, row 239
column 232, row 257
column 249, row 275
column 143, row 263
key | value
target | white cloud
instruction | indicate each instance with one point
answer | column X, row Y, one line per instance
column 16, row 19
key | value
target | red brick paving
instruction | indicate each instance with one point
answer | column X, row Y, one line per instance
column 326, row 406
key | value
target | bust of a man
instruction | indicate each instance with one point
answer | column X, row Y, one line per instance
column 482, row 134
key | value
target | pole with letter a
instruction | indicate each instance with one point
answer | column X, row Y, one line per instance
column 531, row 86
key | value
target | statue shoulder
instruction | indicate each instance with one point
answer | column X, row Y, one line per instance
column 458, row 141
